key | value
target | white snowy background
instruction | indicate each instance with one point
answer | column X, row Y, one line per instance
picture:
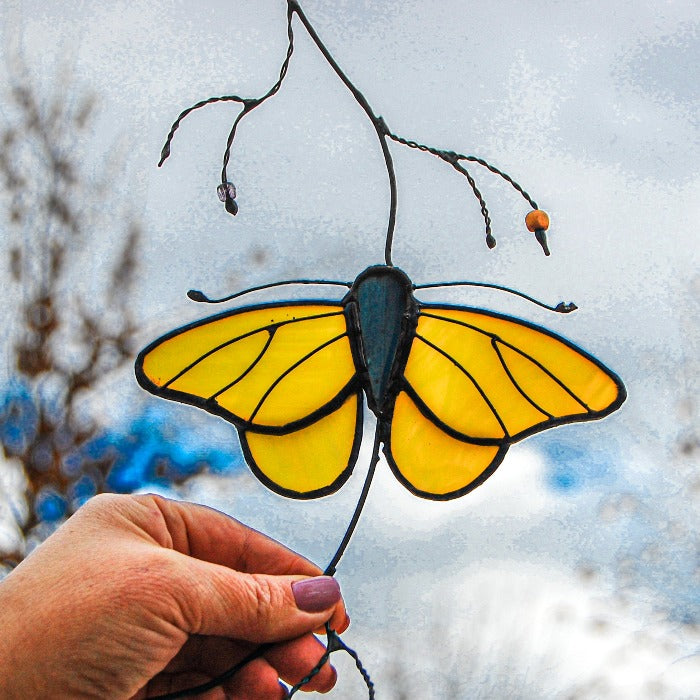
column 535, row 585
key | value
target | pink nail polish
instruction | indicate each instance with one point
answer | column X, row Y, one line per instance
column 316, row 594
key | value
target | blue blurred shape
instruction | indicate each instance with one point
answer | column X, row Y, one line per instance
column 50, row 505
column 569, row 467
column 18, row 418
column 82, row 490
column 155, row 450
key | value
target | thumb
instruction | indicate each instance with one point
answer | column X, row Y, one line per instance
column 256, row 607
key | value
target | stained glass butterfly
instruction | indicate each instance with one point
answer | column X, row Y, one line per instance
column 452, row 387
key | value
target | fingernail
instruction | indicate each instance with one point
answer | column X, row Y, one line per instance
column 316, row 594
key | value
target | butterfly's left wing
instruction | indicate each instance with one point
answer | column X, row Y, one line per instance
column 284, row 375
column 475, row 382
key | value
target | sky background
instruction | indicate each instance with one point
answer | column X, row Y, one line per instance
column 573, row 572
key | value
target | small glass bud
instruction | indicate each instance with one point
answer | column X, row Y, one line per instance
column 541, row 237
column 231, row 206
column 226, row 190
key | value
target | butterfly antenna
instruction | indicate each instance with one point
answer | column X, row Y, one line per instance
column 196, row 295
column 561, row 307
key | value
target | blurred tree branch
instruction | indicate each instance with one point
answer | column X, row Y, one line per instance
column 62, row 347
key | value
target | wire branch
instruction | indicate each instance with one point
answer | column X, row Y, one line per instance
column 380, row 126
column 249, row 104
column 454, row 160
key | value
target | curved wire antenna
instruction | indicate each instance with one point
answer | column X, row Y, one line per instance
column 561, row 308
column 196, row 295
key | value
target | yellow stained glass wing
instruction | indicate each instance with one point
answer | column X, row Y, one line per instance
column 475, row 382
column 430, row 462
column 503, row 378
column 313, row 461
column 273, row 366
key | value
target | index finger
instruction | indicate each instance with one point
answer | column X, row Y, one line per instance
column 209, row 535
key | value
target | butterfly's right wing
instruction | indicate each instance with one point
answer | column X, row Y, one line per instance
column 477, row 381
column 283, row 374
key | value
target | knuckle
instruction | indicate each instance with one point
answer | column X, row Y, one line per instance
column 103, row 502
column 264, row 594
column 100, row 510
column 150, row 500
column 266, row 599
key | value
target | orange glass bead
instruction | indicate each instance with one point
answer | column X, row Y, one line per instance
column 537, row 220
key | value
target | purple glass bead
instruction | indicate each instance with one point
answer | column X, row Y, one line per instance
column 226, row 191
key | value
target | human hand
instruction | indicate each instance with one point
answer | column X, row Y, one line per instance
column 136, row 596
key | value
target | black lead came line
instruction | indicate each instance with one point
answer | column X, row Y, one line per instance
column 477, row 386
column 270, row 328
column 291, row 368
column 514, row 382
column 495, row 337
column 247, row 371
